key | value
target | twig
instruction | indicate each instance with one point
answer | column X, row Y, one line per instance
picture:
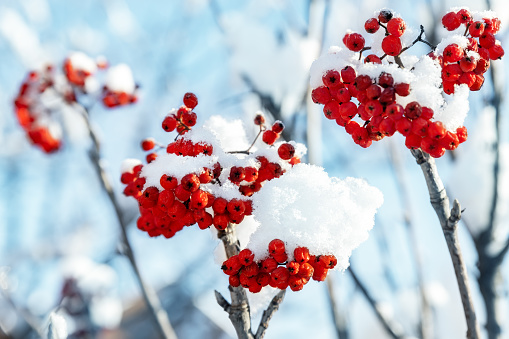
column 449, row 222
column 238, row 310
column 339, row 321
column 393, row 330
column 268, row 313
column 158, row 314
column 425, row 325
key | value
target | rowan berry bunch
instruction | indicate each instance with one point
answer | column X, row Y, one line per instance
column 390, row 91
column 278, row 269
column 44, row 94
column 195, row 181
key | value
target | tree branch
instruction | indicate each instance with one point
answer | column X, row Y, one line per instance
column 268, row 313
column 449, row 222
column 158, row 314
column 393, row 330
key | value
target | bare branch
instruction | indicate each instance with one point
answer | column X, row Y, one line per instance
column 338, row 319
column 449, row 221
column 222, row 302
column 268, row 313
column 393, row 330
column 153, row 303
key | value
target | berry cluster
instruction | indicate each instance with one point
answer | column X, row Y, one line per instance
column 276, row 270
column 34, row 119
column 196, row 195
column 466, row 64
column 378, row 99
column 43, row 93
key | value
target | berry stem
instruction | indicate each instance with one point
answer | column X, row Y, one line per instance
column 252, row 144
column 449, row 221
column 159, row 315
column 362, row 50
column 419, row 38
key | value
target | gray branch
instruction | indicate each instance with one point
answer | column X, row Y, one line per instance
column 394, row 330
column 153, row 303
column 449, row 222
column 268, row 313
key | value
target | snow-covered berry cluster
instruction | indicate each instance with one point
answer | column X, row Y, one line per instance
column 46, row 93
column 424, row 99
column 196, row 181
column 277, row 270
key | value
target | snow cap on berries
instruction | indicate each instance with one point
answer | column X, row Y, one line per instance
column 305, row 207
column 119, row 78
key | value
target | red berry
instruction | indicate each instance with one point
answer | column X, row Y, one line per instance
column 268, row 265
column 189, row 118
column 385, row 80
column 332, row 78
column 151, row 157
column 286, row 151
column 355, row 42
column 168, row 182
column 462, row 134
column 486, row 40
column 476, row 29
column 385, row 16
column 219, row 205
column 372, row 58
column 276, row 246
column 391, row 45
column 321, row 95
column 269, row 137
column 387, row 127
column 331, row 110
column 453, row 53
column 371, row 25
column 220, row 221
column 278, row 127
column 373, row 92
column 451, row 21
column 342, row 95
column 293, row 267
column 496, row 52
column 404, row 126
column 259, row 119
column 236, row 207
column 246, row 257
column 234, row 280
column 465, row 16
column 190, row 182
column 169, row 123
column 295, row 283
column 436, row 130
column 426, row 113
column 149, row 197
column 301, row 254
column 280, row 276
column 148, row 144
column 479, row 81
column 306, row 270
column 413, row 141
column 388, row 96
column 468, row 64
column 362, row 82
column 451, row 72
column 199, row 199
column 396, row 27
column 348, row 75
column 395, row 111
column 420, row 127
column 402, row 89
column 181, row 193
column 413, row 110
column 190, row 100
column 450, row 141
column 237, row 174
column 468, row 79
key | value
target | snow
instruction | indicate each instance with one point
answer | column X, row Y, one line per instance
column 305, row 207
column 128, row 165
column 81, row 61
column 57, row 327
column 119, row 78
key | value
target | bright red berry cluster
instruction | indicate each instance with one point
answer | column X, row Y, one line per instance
column 31, row 117
column 186, row 199
column 35, row 105
column 276, row 270
column 371, row 105
column 467, row 64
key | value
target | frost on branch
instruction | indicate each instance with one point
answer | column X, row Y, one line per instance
column 306, row 207
column 423, row 98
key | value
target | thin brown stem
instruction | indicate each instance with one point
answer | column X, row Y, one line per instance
column 159, row 315
column 252, row 144
column 449, row 222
